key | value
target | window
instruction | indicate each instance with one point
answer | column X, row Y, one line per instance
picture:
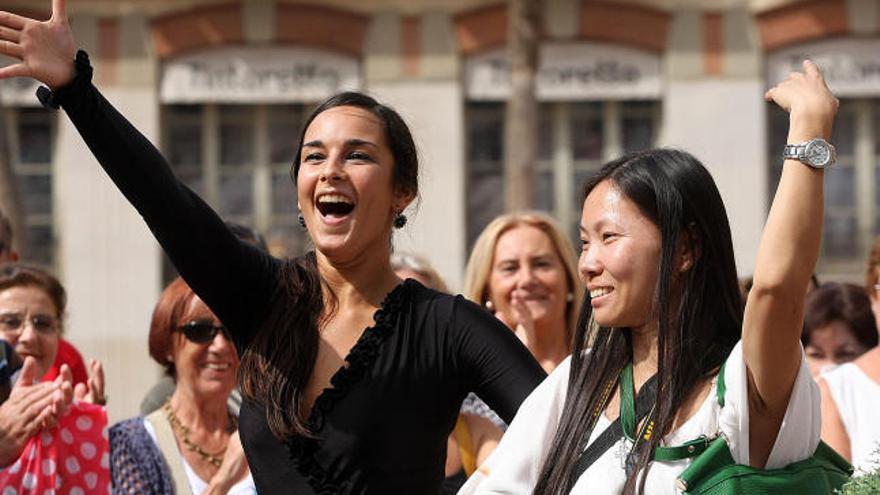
column 574, row 140
column 238, row 158
column 31, row 142
column 852, row 186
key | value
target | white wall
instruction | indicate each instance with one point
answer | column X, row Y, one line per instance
column 433, row 110
column 723, row 123
column 109, row 262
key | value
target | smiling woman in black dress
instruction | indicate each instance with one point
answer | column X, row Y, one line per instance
column 329, row 406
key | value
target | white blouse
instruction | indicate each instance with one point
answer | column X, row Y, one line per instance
column 515, row 465
column 196, row 483
column 857, row 398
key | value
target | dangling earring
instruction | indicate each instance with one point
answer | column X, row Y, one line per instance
column 569, row 297
column 399, row 221
column 302, row 221
column 489, row 305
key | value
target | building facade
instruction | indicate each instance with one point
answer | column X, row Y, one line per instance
column 222, row 88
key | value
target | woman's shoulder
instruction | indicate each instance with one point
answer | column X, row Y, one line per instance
column 128, row 428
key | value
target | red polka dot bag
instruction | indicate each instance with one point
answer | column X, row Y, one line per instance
column 73, row 458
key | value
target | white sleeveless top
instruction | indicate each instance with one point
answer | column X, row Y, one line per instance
column 857, row 397
column 197, row 484
column 514, row 467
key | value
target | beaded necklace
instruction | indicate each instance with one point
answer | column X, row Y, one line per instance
column 183, row 430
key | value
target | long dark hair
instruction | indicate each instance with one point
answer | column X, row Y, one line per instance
column 277, row 365
column 674, row 191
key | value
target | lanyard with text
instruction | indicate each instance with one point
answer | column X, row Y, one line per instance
column 628, row 413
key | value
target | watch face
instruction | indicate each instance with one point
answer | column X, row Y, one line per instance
column 818, row 153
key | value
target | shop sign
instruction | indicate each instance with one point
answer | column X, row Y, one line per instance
column 851, row 66
column 258, row 75
column 571, row 71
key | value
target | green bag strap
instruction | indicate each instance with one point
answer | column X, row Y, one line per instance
column 683, row 451
column 697, row 446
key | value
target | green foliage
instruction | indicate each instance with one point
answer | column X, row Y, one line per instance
column 864, row 483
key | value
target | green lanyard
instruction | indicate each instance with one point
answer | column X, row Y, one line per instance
column 628, row 424
column 628, row 417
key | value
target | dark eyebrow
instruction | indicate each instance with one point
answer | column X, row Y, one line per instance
column 360, row 142
column 350, row 143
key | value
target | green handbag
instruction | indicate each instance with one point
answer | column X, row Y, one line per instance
column 714, row 472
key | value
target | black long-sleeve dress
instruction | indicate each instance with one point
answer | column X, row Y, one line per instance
column 381, row 427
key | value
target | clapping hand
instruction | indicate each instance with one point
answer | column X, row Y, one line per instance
column 31, row 407
column 94, row 391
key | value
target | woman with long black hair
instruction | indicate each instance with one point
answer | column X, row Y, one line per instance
column 329, row 407
column 658, row 263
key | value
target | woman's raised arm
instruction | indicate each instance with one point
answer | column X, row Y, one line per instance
column 235, row 279
column 786, row 259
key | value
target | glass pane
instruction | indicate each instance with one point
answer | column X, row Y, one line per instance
column 777, row 124
column 236, row 135
column 40, row 245
column 282, row 142
column 844, row 134
column 485, row 132
column 544, row 197
column 840, row 186
column 185, row 144
column 580, row 177
column 586, row 135
column 193, row 179
column 36, row 192
column 283, row 195
column 287, row 240
column 485, row 201
column 546, row 136
column 236, row 194
column 35, row 142
column 638, row 133
column 839, row 238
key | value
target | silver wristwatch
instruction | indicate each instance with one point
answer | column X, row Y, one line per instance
column 816, row 153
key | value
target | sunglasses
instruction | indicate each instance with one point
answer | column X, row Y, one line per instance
column 202, row 332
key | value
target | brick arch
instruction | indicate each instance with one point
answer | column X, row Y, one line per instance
column 485, row 28
column 212, row 26
column 196, row 28
column 633, row 25
column 481, row 29
column 802, row 22
column 321, row 27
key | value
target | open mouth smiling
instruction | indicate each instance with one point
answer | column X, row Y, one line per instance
column 334, row 205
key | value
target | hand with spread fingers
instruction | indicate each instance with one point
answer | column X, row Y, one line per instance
column 94, row 391
column 30, row 408
column 44, row 49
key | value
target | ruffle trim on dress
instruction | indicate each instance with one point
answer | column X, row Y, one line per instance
column 82, row 77
column 359, row 360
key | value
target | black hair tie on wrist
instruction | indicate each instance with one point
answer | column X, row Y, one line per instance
column 82, row 75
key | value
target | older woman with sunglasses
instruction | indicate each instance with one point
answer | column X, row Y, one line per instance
column 191, row 444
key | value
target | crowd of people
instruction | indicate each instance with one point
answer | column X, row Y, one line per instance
column 352, row 369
